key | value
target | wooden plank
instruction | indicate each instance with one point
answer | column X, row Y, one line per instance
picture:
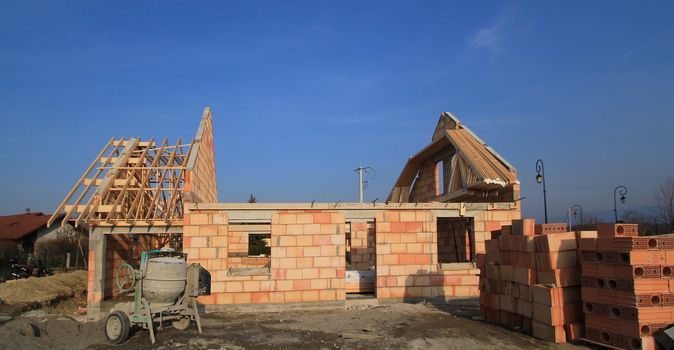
column 126, row 185
column 103, row 208
column 102, row 190
column 134, row 160
column 151, row 210
column 175, row 194
column 145, row 182
column 116, row 182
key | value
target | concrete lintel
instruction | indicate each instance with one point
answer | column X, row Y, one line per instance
column 138, row 230
column 359, row 220
column 345, row 206
column 258, row 216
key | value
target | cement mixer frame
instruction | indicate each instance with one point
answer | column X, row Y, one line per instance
column 141, row 313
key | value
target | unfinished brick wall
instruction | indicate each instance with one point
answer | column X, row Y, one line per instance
column 407, row 265
column 120, row 249
column 307, row 262
column 407, row 255
column 362, row 245
column 200, row 182
column 427, row 185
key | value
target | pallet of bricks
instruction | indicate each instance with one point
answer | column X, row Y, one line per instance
column 530, row 280
column 627, row 286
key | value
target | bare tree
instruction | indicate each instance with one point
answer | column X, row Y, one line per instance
column 664, row 203
column 590, row 222
column 646, row 222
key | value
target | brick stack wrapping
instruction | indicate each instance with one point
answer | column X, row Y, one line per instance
column 627, row 290
column 530, row 280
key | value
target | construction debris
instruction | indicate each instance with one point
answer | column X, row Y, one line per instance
column 44, row 290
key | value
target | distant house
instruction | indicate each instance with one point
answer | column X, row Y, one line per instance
column 23, row 231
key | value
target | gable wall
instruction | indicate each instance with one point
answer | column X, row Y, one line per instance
column 424, row 189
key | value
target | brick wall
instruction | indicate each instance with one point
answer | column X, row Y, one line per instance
column 122, row 249
column 307, row 262
column 426, row 188
column 407, row 265
column 200, row 181
column 407, row 255
column 362, row 245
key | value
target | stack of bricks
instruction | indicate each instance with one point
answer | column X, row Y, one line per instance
column 530, row 280
column 557, row 306
column 627, row 290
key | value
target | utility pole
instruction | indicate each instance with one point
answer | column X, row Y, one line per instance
column 360, row 181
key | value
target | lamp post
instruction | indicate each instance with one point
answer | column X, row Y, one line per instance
column 577, row 212
column 622, row 191
column 540, row 178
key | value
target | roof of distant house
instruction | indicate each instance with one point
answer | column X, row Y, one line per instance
column 13, row 227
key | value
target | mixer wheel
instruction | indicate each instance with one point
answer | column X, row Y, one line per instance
column 117, row 327
column 181, row 324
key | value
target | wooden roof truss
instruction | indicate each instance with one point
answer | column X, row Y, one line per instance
column 130, row 183
column 476, row 170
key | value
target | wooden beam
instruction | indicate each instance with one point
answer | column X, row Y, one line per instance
column 85, row 192
column 103, row 189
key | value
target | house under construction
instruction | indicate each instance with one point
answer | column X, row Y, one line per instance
column 421, row 243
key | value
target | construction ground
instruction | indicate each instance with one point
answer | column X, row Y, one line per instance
column 455, row 325
column 446, row 262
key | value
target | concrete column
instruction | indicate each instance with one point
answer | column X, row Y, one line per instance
column 96, row 271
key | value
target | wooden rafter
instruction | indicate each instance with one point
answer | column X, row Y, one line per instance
column 130, row 183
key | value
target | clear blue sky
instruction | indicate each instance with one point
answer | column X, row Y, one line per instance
column 304, row 92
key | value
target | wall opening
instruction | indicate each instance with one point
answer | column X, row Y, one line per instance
column 249, row 248
column 440, row 185
column 360, row 257
column 259, row 245
column 455, row 240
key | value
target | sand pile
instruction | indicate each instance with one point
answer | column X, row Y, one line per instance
column 50, row 333
column 44, row 290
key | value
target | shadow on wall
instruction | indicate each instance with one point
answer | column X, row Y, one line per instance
column 429, row 288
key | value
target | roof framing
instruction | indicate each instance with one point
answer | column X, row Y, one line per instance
column 136, row 183
column 477, row 171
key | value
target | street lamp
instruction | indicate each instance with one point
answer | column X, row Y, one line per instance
column 577, row 212
column 540, row 178
column 622, row 191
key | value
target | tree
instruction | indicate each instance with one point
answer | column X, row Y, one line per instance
column 252, row 199
column 590, row 222
column 646, row 222
column 664, row 203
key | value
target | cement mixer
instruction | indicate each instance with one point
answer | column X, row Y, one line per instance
column 165, row 290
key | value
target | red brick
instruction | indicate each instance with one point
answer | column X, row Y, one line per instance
column 302, row 284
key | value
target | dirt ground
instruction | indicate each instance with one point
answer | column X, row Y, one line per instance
column 44, row 290
column 398, row 326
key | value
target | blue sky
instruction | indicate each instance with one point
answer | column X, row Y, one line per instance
column 304, row 92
